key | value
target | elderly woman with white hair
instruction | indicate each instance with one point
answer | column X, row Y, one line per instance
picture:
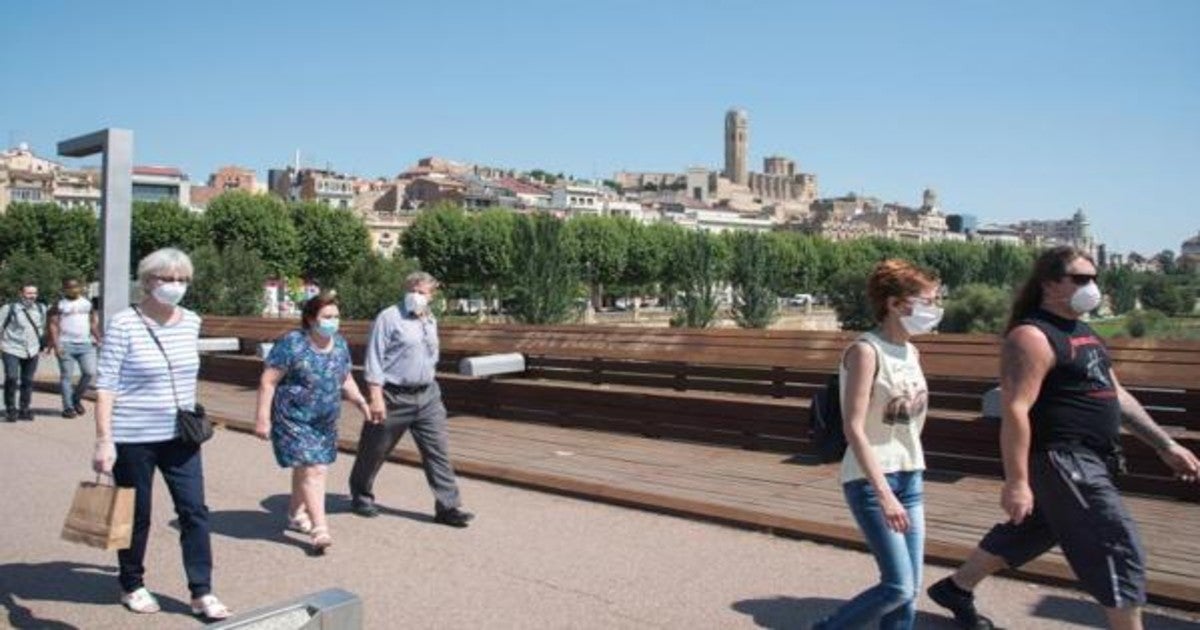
column 147, row 370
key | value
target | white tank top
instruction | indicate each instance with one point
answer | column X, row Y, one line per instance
column 896, row 412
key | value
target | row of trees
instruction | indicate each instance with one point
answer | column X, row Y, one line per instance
column 540, row 268
column 497, row 253
column 237, row 244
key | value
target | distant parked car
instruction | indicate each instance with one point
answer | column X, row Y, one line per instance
column 801, row 299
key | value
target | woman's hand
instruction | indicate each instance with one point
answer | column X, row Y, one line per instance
column 364, row 409
column 262, row 428
column 894, row 513
column 104, row 457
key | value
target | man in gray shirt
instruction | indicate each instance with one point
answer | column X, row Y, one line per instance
column 401, row 359
column 22, row 324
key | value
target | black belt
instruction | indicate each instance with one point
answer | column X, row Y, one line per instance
column 405, row 389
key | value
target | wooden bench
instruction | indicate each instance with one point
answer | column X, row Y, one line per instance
column 749, row 389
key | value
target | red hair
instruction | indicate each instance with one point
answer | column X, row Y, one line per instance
column 896, row 278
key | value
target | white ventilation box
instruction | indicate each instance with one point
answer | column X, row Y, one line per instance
column 492, row 364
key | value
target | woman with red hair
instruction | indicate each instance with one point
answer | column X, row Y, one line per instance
column 884, row 398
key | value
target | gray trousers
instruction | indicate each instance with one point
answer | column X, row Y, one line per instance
column 423, row 414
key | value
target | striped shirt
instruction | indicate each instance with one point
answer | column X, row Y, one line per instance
column 134, row 370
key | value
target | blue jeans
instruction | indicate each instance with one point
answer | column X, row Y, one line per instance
column 899, row 556
column 84, row 355
column 182, row 470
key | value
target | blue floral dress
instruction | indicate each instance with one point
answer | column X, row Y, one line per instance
column 308, row 399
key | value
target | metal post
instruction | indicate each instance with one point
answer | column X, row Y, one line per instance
column 116, row 148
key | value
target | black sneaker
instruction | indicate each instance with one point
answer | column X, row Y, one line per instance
column 948, row 595
column 453, row 517
column 10, row 415
column 68, row 413
column 24, row 414
column 80, row 409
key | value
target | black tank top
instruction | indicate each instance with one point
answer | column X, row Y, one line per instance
column 1077, row 405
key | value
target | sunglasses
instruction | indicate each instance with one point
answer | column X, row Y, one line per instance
column 1081, row 279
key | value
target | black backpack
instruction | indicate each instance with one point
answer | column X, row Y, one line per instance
column 825, row 422
column 825, row 427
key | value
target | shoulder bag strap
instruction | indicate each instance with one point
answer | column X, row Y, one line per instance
column 170, row 370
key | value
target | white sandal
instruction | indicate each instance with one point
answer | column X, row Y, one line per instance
column 321, row 540
column 141, row 601
column 299, row 522
column 209, row 607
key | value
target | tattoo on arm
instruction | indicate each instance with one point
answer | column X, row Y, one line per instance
column 1012, row 363
column 1138, row 421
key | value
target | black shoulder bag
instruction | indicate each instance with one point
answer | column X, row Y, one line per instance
column 193, row 424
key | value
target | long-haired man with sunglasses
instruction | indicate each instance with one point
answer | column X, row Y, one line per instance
column 1063, row 409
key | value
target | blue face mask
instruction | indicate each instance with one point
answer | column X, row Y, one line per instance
column 327, row 327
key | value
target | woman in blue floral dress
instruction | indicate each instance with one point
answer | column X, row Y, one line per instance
column 300, row 396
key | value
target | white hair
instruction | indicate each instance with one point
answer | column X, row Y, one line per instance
column 418, row 277
column 163, row 261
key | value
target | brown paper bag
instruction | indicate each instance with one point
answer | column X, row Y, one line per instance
column 100, row 516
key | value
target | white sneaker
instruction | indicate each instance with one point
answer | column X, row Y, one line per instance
column 141, row 601
column 209, row 607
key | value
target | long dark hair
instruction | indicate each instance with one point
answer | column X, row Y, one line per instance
column 1051, row 265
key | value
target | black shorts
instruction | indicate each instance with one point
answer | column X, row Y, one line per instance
column 1077, row 507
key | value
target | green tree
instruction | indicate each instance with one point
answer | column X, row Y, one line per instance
column 649, row 249
column 331, row 241
column 70, row 235
column 227, row 282
column 848, row 295
column 41, row 268
column 1121, row 287
column 490, row 250
column 1161, row 294
column 261, row 223
column 976, row 308
column 545, row 283
column 372, row 284
column 1166, row 260
column 439, row 239
column 603, row 250
column 751, row 272
column 701, row 261
column 1006, row 265
column 957, row 263
column 159, row 224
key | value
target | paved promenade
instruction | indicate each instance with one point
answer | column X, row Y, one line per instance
column 530, row 560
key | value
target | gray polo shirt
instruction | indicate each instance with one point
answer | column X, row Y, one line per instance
column 401, row 349
column 22, row 337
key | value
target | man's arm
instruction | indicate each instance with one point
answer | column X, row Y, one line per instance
column 1135, row 418
column 52, row 328
column 94, row 319
column 373, row 366
column 1025, row 359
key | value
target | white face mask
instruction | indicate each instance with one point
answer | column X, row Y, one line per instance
column 416, row 303
column 170, row 293
column 924, row 319
column 1086, row 298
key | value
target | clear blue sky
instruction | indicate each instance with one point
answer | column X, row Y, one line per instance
column 1009, row 109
